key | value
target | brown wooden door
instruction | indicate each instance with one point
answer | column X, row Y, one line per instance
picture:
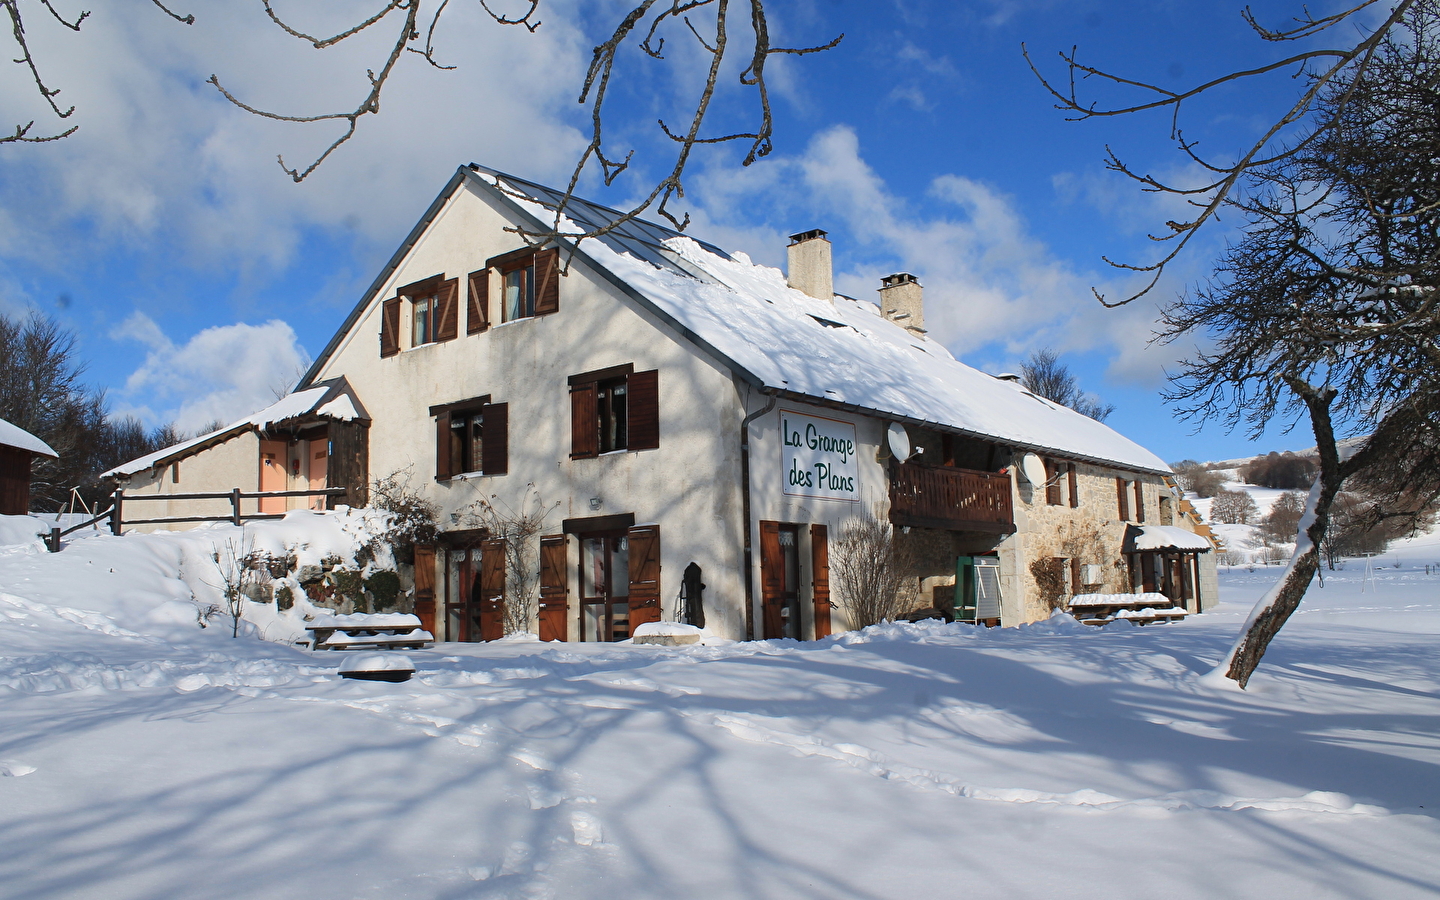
column 319, row 452
column 820, row 575
column 604, row 585
column 273, row 456
column 489, row 604
column 425, row 586
column 644, row 575
column 772, row 581
column 554, row 596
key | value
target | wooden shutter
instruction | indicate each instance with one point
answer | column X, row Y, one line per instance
column 492, row 590
column 820, row 572
column 643, row 410
column 1074, row 486
column 772, row 581
column 1123, row 499
column 547, row 281
column 553, row 593
column 390, row 327
column 584, row 426
column 1075, row 586
column 447, row 310
column 644, row 543
column 1139, row 501
column 425, row 585
column 477, row 313
column 495, row 440
column 1052, row 483
column 442, row 446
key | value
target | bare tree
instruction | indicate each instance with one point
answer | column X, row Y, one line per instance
column 1044, row 374
column 1329, row 305
column 16, row 11
column 1320, row 104
column 519, row 527
column 1233, row 508
column 867, row 571
column 645, row 26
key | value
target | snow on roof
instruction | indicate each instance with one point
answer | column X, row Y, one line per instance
column 843, row 352
column 311, row 401
column 1163, row 537
column 19, row 438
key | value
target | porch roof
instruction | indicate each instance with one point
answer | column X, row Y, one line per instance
column 1156, row 538
column 20, row 439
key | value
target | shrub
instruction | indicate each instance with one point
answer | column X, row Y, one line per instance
column 1233, row 508
column 1280, row 470
column 1196, row 479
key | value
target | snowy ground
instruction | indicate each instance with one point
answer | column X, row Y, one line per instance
column 151, row 759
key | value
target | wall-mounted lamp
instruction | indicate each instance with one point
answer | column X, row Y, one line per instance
column 596, row 503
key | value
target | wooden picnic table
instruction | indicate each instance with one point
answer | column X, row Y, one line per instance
column 386, row 631
column 1142, row 608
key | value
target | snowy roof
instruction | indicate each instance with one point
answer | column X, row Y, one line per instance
column 332, row 399
column 20, row 439
column 1140, row 538
column 842, row 353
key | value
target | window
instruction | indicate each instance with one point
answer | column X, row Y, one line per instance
column 430, row 310
column 1122, row 498
column 471, row 438
column 1074, row 486
column 1052, row 483
column 614, row 409
column 529, row 284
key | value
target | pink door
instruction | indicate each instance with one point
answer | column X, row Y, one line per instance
column 272, row 475
column 319, row 464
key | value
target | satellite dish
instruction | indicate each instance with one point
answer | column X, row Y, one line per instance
column 1033, row 468
column 898, row 440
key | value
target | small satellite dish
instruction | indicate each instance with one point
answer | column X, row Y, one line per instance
column 899, row 441
column 1033, row 468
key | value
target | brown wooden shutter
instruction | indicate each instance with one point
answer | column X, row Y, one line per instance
column 584, row 426
column 495, row 443
column 547, row 281
column 1123, row 499
column 390, row 327
column 1074, row 486
column 642, row 391
column 553, row 592
column 1052, row 483
column 1075, row 585
column 447, row 310
column 425, row 585
column 820, row 572
column 477, row 313
column 644, row 541
column 772, row 581
column 442, row 446
column 1139, row 501
column 492, row 590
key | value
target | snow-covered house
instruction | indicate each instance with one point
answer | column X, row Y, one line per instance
column 676, row 404
column 311, row 439
column 18, row 448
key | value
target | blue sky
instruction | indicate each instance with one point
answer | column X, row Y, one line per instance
column 199, row 278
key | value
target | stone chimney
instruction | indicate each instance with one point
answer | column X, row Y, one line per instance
column 902, row 301
column 809, row 265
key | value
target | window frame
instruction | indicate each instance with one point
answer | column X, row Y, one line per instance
column 641, row 420
column 493, row 445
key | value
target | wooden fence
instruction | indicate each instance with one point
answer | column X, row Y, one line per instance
column 115, row 515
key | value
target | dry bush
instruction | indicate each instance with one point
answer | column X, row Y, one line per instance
column 866, row 571
column 520, row 528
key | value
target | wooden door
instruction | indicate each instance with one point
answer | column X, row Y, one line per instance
column 604, row 586
column 319, row 453
column 272, row 475
column 772, row 581
column 644, row 575
column 425, row 586
column 554, row 596
column 820, row 578
column 490, row 602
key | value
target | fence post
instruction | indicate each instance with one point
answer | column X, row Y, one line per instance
column 235, row 504
column 117, row 519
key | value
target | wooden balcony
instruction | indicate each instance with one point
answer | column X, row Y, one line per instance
column 950, row 498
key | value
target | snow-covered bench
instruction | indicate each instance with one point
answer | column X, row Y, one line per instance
column 1142, row 608
column 359, row 631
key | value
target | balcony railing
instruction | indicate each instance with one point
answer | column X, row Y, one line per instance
column 950, row 498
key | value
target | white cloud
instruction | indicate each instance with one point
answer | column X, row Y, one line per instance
column 992, row 289
column 221, row 373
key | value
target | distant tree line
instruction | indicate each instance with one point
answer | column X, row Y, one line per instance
column 42, row 391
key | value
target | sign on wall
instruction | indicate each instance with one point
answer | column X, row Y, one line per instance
column 818, row 456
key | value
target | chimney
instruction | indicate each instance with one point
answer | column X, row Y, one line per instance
column 902, row 301
column 809, row 265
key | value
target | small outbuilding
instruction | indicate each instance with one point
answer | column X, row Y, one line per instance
column 17, row 448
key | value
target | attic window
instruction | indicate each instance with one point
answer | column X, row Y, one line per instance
column 828, row 323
